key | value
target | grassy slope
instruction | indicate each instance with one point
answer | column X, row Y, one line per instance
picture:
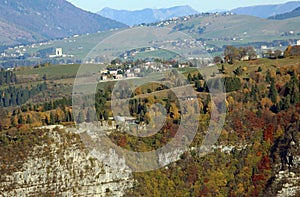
column 258, row 30
column 77, row 46
column 53, row 71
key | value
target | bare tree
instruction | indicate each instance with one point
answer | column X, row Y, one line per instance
column 251, row 53
column 231, row 54
column 218, row 59
column 277, row 53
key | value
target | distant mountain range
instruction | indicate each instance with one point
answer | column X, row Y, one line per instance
column 265, row 11
column 155, row 15
column 26, row 21
column 34, row 20
column 146, row 15
column 292, row 14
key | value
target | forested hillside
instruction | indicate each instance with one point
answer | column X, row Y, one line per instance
column 257, row 153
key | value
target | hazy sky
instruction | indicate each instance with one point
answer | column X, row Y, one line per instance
column 204, row 5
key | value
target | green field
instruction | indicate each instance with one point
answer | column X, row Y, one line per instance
column 158, row 54
column 52, row 71
column 56, row 71
column 78, row 46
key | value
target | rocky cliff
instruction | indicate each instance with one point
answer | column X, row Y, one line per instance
column 63, row 167
column 286, row 170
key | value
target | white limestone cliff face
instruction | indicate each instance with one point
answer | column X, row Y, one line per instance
column 66, row 168
column 169, row 157
column 291, row 183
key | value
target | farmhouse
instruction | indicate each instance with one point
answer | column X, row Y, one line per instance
column 129, row 75
column 245, row 58
column 113, row 71
column 104, row 77
column 118, row 76
column 137, row 70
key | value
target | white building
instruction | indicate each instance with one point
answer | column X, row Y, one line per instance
column 264, row 47
column 129, row 75
column 298, row 42
column 137, row 70
column 245, row 58
column 113, row 72
column 118, row 76
column 58, row 53
column 105, row 71
column 104, row 77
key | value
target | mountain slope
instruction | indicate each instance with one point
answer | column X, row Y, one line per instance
column 48, row 19
column 237, row 29
column 214, row 30
column 265, row 11
column 146, row 15
column 292, row 14
column 11, row 34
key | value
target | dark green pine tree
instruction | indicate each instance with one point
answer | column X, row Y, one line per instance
column 287, row 102
column 200, row 77
column 190, row 78
column 268, row 76
column 205, row 87
column 195, row 77
column 198, row 85
column 259, row 69
column 254, row 92
column 273, row 92
column 222, row 70
column 105, row 115
column 52, row 118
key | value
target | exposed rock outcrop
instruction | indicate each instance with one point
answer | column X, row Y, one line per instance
column 65, row 168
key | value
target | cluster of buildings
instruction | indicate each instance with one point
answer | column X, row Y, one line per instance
column 133, row 72
column 176, row 20
column 135, row 52
column 21, row 51
column 15, row 52
column 59, row 53
column 109, row 74
column 274, row 52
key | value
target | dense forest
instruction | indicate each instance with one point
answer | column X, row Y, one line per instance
column 13, row 96
column 7, row 77
column 262, row 124
column 261, row 132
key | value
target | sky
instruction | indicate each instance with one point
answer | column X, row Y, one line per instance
column 199, row 5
